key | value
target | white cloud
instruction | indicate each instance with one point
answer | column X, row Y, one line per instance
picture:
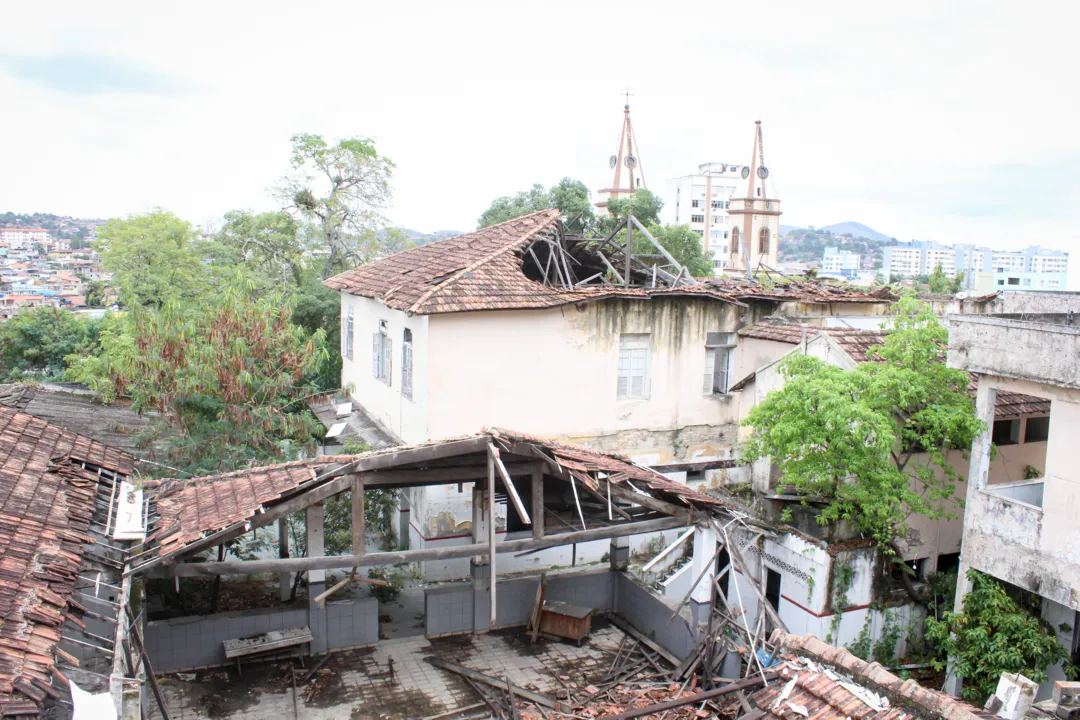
column 903, row 118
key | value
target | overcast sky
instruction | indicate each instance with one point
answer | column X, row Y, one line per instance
column 952, row 121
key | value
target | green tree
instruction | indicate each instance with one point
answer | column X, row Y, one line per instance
column 95, row 293
column 342, row 187
column 684, row 245
column 872, row 441
column 152, row 258
column 268, row 248
column 35, row 342
column 231, row 373
column 993, row 635
column 570, row 196
column 318, row 308
column 644, row 204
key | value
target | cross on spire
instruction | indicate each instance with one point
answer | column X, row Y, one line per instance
column 627, row 98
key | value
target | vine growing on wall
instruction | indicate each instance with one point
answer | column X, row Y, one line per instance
column 841, row 585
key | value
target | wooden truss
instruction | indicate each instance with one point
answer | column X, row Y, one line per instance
column 562, row 261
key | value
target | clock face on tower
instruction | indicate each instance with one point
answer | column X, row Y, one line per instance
column 745, row 172
column 763, row 172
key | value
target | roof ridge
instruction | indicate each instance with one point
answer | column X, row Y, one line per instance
column 487, row 258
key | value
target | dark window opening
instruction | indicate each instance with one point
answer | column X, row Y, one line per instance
column 722, row 562
column 948, row 562
column 695, row 476
column 514, row 521
column 1014, row 281
column 772, row 588
column 1006, row 432
column 897, row 571
column 1038, row 429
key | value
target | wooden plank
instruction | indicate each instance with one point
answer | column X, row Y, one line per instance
column 656, row 243
column 689, row 699
column 417, row 477
column 510, row 489
column 275, row 639
column 537, row 492
column 358, row 514
column 648, row 642
column 538, row 605
column 243, row 567
column 492, row 577
column 629, row 495
column 668, row 550
column 494, row 682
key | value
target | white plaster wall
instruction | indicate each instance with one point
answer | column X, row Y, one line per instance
column 554, row 372
column 405, row 418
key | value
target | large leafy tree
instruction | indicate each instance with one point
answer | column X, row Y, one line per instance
column 994, row 634
column 35, row 342
column 269, row 244
column 570, row 196
column 873, row 441
column 684, row 245
column 644, row 204
column 230, row 373
column 152, row 258
column 343, row 188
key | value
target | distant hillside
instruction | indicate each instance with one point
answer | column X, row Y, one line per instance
column 421, row 238
column 856, row 230
column 58, row 225
column 808, row 244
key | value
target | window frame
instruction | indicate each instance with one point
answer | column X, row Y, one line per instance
column 382, row 353
column 634, row 346
column 719, row 363
column 407, row 364
column 348, row 336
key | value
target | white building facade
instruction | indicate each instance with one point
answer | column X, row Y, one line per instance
column 842, row 263
column 23, row 237
column 702, row 201
column 985, row 269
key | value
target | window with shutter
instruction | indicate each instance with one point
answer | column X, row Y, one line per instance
column 347, row 336
column 387, row 359
column 376, row 354
column 719, row 357
column 633, row 366
column 407, row 364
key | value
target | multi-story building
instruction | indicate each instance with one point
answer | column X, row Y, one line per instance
column 723, row 202
column 1025, row 533
column 985, row 269
column 840, row 262
column 17, row 237
column 702, row 201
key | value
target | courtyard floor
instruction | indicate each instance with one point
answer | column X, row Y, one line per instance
column 356, row 684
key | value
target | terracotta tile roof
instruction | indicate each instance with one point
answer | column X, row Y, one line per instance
column 483, row 271
column 801, row 289
column 857, row 343
column 46, row 502
column 830, row 683
column 190, row 509
column 586, row 465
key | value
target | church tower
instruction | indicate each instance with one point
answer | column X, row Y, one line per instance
column 755, row 218
column 626, row 163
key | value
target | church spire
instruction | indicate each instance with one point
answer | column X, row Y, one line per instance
column 627, row 158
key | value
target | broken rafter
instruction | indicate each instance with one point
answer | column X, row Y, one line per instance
column 510, row 489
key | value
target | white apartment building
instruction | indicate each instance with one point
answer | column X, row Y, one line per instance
column 840, row 262
column 732, row 208
column 702, row 201
column 16, row 237
column 985, row 269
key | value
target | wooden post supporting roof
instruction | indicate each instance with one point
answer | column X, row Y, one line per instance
column 537, row 492
column 491, row 528
column 358, row 514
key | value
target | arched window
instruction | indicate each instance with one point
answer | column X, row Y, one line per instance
column 734, row 240
column 763, row 244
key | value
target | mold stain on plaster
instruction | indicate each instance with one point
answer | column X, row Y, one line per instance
column 671, row 322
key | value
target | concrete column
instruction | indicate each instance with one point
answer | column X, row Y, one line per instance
column 977, row 479
column 479, row 569
column 704, row 565
column 284, row 579
column 619, row 553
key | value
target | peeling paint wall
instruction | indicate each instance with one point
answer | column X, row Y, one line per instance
column 554, row 373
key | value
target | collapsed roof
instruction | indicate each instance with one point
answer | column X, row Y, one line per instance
column 189, row 513
column 49, row 480
column 530, row 262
